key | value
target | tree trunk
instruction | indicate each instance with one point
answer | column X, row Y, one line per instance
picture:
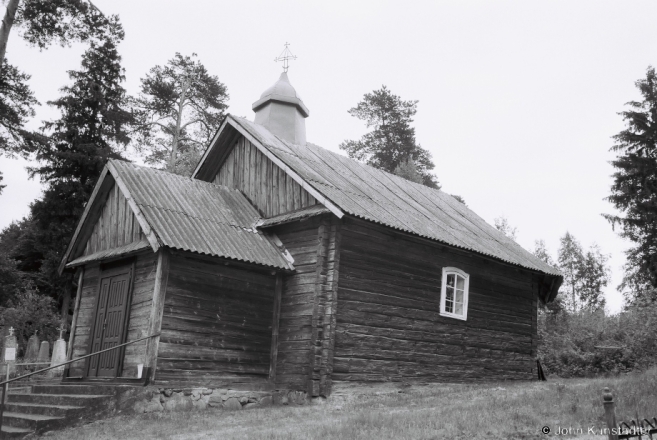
column 7, row 23
column 176, row 134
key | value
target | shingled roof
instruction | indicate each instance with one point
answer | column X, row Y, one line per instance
column 362, row 191
column 192, row 215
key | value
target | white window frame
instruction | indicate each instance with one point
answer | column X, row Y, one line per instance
column 466, row 291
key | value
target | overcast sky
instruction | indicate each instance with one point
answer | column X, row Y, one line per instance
column 518, row 100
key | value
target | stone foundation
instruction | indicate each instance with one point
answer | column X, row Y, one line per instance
column 153, row 399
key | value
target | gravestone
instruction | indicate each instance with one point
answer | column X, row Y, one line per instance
column 58, row 355
column 9, row 353
column 32, row 351
column 44, row 353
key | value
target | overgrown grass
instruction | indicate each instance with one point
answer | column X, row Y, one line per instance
column 491, row 411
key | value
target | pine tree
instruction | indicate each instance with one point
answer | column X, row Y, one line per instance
column 634, row 191
column 179, row 109
column 392, row 142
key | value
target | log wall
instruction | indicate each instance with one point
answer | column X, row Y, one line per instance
column 307, row 312
column 116, row 226
column 216, row 324
column 268, row 187
column 142, row 292
column 388, row 323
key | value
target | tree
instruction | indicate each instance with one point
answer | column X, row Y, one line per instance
column 540, row 251
column 46, row 21
column 502, row 225
column 16, row 106
column 408, row 170
column 634, row 191
column 585, row 274
column 91, row 129
column 392, row 142
column 179, row 109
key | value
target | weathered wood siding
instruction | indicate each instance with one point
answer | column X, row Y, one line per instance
column 388, row 323
column 307, row 314
column 142, row 293
column 267, row 186
column 116, row 226
column 216, row 325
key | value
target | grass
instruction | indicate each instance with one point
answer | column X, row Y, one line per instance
column 503, row 410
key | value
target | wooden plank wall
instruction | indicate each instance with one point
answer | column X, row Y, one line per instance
column 388, row 323
column 267, row 186
column 142, row 293
column 116, row 226
column 216, row 325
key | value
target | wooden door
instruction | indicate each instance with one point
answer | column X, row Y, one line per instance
column 109, row 328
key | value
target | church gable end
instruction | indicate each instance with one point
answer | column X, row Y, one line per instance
column 116, row 225
column 270, row 189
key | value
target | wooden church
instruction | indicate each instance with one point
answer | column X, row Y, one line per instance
column 281, row 265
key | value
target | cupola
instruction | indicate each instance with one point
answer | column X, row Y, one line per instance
column 281, row 110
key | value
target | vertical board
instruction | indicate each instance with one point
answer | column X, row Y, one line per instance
column 388, row 323
column 268, row 187
column 139, row 312
column 216, row 324
column 116, row 226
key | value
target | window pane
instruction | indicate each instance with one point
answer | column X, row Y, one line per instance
column 459, row 309
column 460, row 282
column 449, row 293
column 449, row 306
column 450, row 280
column 459, row 296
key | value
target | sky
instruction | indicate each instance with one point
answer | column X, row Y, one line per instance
column 518, row 100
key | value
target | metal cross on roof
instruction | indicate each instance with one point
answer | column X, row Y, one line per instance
column 285, row 57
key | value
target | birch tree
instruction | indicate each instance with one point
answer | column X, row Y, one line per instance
column 178, row 110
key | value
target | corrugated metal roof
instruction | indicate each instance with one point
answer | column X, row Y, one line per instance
column 197, row 216
column 381, row 197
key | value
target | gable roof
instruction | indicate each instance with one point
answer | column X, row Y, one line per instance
column 375, row 195
column 192, row 215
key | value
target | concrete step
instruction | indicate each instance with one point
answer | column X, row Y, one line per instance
column 11, row 432
column 46, row 410
column 58, row 399
column 33, row 422
column 74, row 389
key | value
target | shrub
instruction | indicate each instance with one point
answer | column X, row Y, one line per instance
column 589, row 344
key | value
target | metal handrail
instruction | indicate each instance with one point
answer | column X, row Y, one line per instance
column 6, row 382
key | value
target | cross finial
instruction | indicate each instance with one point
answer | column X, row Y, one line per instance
column 11, row 331
column 285, row 57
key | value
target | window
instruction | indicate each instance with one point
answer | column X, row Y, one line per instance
column 454, row 293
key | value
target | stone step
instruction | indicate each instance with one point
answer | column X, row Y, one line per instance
column 46, row 410
column 11, row 432
column 58, row 399
column 33, row 422
column 73, row 389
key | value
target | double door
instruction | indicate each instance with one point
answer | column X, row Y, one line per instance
column 110, row 324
